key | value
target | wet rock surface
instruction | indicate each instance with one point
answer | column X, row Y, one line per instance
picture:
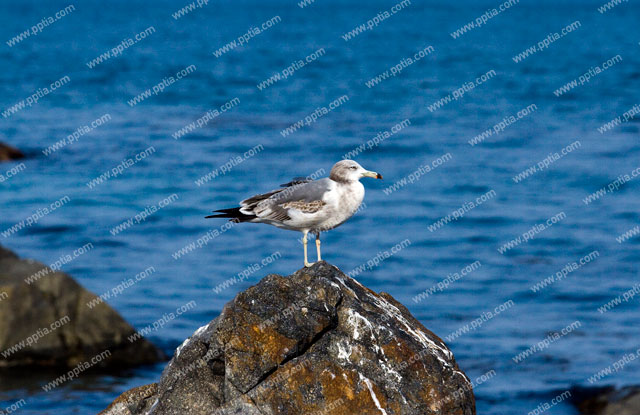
column 608, row 401
column 45, row 321
column 316, row 342
column 8, row 153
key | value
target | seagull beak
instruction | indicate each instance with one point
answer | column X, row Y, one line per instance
column 372, row 174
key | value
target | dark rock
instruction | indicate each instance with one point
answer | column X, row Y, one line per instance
column 9, row 153
column 315, row 342
column 607, row 400
column 134, row 400
column 28, row 310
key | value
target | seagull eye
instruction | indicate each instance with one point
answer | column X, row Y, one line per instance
column 353, row 167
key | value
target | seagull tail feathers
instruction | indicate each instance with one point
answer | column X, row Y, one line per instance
column 233, row 214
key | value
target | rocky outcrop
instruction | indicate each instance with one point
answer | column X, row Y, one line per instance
column 317, row 342
column 608, row 401
column 9, row 153
column 45, row 321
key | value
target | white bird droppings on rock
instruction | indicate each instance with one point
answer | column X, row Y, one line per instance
column 342, row 351
column 373, row 394
column 354, row 319
column 201, row 329
column 155, row 403
column 347, row 287
column 196, row 333
column 441, row 350
column 184, row 343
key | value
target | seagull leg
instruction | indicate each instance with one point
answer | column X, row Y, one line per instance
column 304, row 243
column 318, row 246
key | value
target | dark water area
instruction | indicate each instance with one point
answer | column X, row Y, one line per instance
column 253, row 152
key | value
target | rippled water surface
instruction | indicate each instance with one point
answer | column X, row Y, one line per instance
column 65, row 47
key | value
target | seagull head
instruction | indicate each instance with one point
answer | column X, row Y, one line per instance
column 347, row 171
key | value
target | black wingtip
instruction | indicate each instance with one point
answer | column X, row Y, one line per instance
column 232, row 214
column 224, row 213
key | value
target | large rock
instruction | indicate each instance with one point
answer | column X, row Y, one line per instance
column 608, row 401
column 9, row 153
column 316, row 342
column 45, row 321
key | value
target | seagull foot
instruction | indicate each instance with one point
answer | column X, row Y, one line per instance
column 308, row 264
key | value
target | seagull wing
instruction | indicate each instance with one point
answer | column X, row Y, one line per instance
column 296, row 181
column 306, row 197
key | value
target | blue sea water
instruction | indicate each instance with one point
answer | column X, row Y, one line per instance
column 64, row 48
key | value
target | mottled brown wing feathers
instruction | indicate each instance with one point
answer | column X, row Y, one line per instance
column 305, row 207
column 305, row 197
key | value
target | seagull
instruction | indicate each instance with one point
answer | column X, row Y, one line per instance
column 305, row 205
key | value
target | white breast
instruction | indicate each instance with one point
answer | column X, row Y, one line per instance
column 343, row 201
